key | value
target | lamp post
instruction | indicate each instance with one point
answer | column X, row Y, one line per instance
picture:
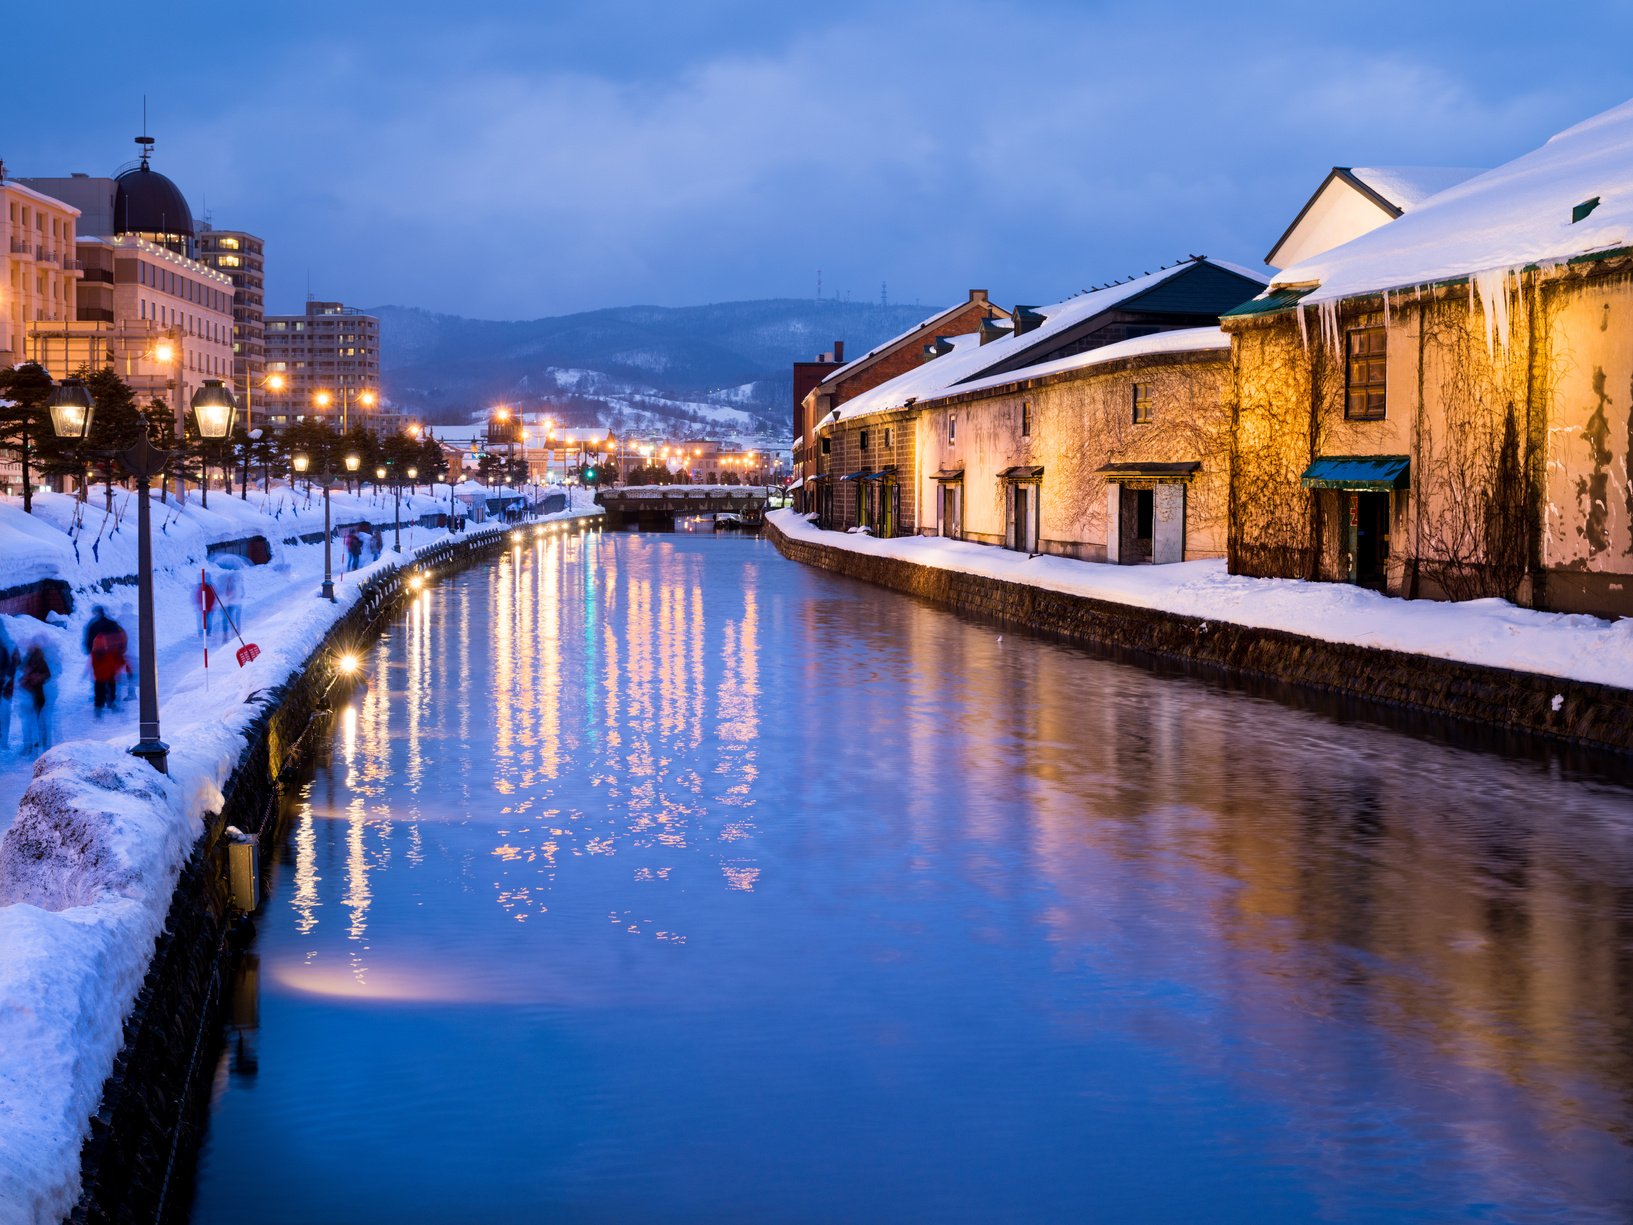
column 72, row 408
column 326, row 481
column 396, row 509
column 213, row 411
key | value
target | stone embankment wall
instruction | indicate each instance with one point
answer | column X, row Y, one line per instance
column 1598, row 717
column 137, row 1163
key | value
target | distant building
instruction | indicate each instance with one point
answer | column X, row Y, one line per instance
column 241, row 258
column 144, row 304
column 39, row 266
column 329, row 362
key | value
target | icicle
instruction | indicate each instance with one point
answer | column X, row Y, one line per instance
column 1493, row 289
column 1303, row 328
column 1386, row 308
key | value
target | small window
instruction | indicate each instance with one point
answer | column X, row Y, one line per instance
column 1026, row 418
column 887, row 438
column 863, row 438
column 827, row 444
column 1142, row 403
column 1366, row 375
column 952, row 427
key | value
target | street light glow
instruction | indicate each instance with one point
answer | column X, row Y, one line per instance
column 164, row 351
column 322, row 399
column 346, row 664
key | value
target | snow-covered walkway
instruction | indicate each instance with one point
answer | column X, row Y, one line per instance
column 1491, row 632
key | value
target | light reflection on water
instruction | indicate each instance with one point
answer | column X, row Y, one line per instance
column 657, row 878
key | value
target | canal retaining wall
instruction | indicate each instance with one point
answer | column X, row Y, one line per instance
column 1594, row 716
column 137, row 1163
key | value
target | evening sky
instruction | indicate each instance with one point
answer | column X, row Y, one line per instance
column 510, row 159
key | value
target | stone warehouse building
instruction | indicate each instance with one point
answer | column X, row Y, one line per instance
column 1441, row 407
column 957, row 445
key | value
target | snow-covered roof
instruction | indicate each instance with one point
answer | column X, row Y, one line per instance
column 922, row 325
column 966, row 357
column 1500, row 220
column 959, row 370
column 1405, row 187
column 1180, row 340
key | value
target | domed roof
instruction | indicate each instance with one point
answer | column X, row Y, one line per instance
column 145, row 202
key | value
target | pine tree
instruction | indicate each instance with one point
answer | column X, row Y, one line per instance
column 24, row 421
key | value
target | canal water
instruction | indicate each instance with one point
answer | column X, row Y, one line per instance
column 656, row 878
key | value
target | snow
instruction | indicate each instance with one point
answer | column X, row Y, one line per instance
column 1498, row 221
column 1493, row 633
column 958, row 371
column 90, row 860
column 1180, row 340
column 1408, row 186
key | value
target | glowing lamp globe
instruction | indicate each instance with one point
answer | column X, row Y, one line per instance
column 353, row 462
column 302, row 462
column 213, row 409
column 71, row 408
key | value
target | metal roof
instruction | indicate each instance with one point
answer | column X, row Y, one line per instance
column 1382, row 472
column 1020, row 473
column 1150, row 472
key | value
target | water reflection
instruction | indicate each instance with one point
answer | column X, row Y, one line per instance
column 719, row 875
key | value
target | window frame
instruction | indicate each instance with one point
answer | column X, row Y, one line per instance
column 1373, row 391
column 1140, row 409
column 1026, row 418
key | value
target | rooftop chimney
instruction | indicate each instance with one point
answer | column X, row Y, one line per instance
column 839, row 352
column 978, row 295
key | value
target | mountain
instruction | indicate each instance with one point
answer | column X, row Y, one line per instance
column 724, row 367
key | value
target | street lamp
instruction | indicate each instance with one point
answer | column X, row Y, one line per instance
column 354, row 461
column 326, row 482
column 72, row 407
column 213, row 411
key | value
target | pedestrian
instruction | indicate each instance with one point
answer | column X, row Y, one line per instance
column 230, row 590
column 107, row 664
column 377, row 543
column 354, row 550
column 133, row 663
column 9, row 662
column 101, row 628
column 33, row 680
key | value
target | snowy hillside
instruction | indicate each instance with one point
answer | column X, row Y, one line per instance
column 725, row 365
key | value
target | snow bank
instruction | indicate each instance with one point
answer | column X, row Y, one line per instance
column 1490, row 632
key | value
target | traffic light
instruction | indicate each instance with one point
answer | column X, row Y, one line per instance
column 589, row 476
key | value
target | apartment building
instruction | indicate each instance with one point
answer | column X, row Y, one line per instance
column 39, row 266
column 241, row 258
column 328, row 361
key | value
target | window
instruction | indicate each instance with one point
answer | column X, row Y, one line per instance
column 1365, row 375
column 887, row 438
column 827, row 444
column 952, row 427
column 1142, row 403
column 862, row 438
column 1026, row 418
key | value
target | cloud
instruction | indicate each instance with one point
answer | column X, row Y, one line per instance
column 531, row 165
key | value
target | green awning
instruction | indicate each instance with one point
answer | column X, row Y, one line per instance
column 1357, row 472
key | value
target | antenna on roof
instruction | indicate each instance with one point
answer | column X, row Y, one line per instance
column 144, row 141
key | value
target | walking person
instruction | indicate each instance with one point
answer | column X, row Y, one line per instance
column 10, row 660
column 377, row 543
column 100, row 628
column 354, row 550
column 230, row 590
column 107, row 664
column 34, row 679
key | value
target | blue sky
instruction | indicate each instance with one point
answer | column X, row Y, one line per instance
column 511, row 160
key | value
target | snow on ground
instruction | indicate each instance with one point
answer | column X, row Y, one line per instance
column 96, row 842
column 1491, row 632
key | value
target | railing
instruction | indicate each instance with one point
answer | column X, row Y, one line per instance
column 19, row 246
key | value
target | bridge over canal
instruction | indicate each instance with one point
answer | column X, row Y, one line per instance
column 658, row 504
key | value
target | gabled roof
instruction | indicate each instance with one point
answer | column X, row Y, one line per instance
column 1195, row 286
column 1571, row 197
column 925, row 327
column 1391, row 190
